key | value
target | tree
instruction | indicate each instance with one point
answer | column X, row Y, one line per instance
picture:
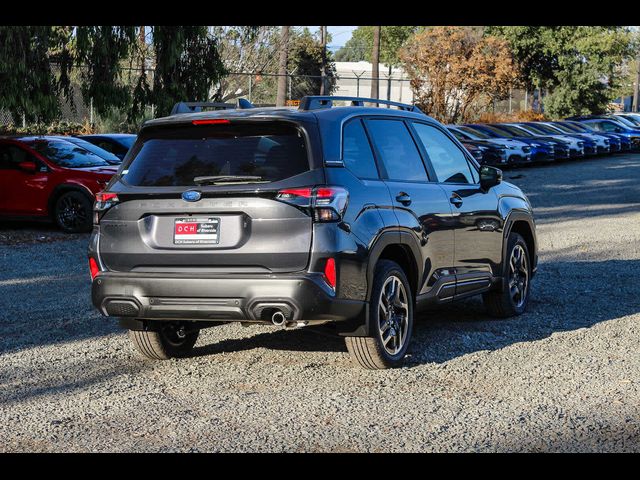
column 360, row 46
column 188, row 64
column 579, row 66
column 375, row 61
column 306, row 60
column 245, row 49
column 282, row 67
column 28, row 85
column 455, row 73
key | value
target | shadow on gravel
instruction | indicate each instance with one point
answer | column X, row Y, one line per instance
column 566, row 296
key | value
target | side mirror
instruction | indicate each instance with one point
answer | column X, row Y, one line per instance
column 27, row 166
column 489, row 177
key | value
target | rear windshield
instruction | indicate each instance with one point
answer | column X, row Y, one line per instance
column 67, row 154
column 272, row 151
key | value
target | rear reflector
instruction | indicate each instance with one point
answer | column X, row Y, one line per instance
column 212, row 121
column 330, row 273
column 93, row 268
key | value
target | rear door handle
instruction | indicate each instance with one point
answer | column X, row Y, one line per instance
column 403, row 198
column 456, row 200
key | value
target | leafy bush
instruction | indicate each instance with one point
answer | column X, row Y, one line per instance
column 54, row 128
column 528, row 116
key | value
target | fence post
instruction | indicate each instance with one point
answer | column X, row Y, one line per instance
column 91, row 111
column 526, row 100
column 250, row 85
column 509, row 101
column 24, row 121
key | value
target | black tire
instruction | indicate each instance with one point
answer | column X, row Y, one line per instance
column 501, row 303
column 164, row 343
column 73, row 212
column 370, row 352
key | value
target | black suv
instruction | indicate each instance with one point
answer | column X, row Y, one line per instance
column 352, row 216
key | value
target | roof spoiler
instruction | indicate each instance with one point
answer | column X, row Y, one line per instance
column 191, row 107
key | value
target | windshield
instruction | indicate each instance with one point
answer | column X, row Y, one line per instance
column 515, row 131
column 564, row 128
column 579, row 127
column 624, row 121
column 540, row 129
column 66, row 154
column 477, row 132
column 102, row 153
column 257, row 151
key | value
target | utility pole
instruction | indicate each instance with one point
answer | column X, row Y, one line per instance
column 323, row 73
column 282, row 67
column 375, row 62
column 636, row 86
column 389, row 85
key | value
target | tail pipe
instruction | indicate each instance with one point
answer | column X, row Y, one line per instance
column 278, row 318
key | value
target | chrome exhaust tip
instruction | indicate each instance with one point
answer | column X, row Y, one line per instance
column 278, row 318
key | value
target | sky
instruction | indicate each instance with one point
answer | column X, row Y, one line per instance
column 339, row 34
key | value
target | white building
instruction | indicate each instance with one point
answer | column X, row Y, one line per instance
column 349, row 85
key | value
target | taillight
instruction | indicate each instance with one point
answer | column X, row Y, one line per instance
column 94, row 269
column 330, row 272
column 326, row 204
column 104, row 201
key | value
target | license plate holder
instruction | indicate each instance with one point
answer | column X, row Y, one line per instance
column 196, row 231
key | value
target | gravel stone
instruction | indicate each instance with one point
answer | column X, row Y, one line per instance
column 563, row 377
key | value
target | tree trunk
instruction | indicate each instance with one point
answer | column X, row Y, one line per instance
column 323, row 72
column 636, row 87
column 282, row 67
column 375, row 62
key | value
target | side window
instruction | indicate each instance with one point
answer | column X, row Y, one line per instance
column 448, row 161
column 397, row 149
column 106, row 146
column 356, row 151
column 10, row 156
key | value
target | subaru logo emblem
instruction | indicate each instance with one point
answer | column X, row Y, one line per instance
column 191, row 196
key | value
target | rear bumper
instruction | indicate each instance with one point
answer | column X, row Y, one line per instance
column 302, row 297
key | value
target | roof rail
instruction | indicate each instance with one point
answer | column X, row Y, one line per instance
column 316, row 102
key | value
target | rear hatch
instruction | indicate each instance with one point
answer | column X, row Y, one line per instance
column 202, row 199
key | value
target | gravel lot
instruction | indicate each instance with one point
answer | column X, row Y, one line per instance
column 563, row 377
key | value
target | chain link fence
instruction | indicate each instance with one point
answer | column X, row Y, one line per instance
column 261, row 90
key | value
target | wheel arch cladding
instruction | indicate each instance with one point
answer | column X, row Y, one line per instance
column 523, row 228
column 403, row 256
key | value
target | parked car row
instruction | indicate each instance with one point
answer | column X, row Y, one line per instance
column 507, row 144
column 57, row 177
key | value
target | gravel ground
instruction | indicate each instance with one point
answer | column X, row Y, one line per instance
column 563, row 377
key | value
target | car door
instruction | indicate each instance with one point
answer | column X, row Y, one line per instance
column 476, row 220
column 420, row 205
column 21, row 192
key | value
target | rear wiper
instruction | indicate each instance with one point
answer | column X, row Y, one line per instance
column 225, row 179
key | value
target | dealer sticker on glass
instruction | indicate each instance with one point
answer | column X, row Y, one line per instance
column 196, row 231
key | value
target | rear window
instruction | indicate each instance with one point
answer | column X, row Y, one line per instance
column 67, row 154
column 272, row 151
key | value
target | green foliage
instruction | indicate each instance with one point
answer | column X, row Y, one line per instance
column 27, row 84
column 100, row 50
column 188, row 64
column 360, row 45
column 39, row 128
column 579, row 66
column 305, row 58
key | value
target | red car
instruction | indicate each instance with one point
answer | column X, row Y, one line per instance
column 44, row 177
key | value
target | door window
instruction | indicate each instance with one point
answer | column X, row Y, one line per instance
column 449, row 162
column 397, row 150
column 11, row 156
